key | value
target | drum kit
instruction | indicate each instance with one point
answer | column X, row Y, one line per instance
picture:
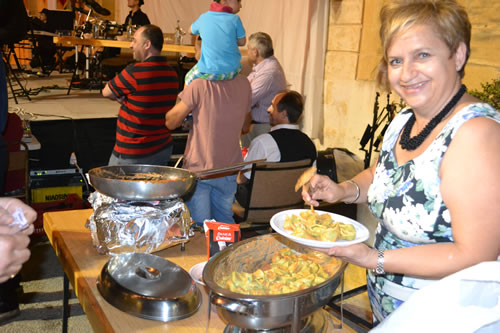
column 89, row 21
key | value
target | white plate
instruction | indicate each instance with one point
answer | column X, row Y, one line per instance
column 196, row 272
column 278, row 219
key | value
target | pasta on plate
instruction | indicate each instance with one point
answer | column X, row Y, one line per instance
column 311, row 225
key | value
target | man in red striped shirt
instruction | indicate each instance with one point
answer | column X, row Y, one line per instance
column 146, row 90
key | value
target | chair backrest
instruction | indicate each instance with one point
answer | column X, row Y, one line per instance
column 272, row 189
column 18, row 165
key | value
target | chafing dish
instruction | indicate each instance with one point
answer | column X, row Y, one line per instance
column 266, row 312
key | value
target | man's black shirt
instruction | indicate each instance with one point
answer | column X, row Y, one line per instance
column 139, row 18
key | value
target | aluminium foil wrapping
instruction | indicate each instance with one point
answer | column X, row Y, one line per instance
column 141, row 226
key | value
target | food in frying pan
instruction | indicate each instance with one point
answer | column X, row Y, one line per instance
column 288, row 272
column 311, row 225
column 139, row 176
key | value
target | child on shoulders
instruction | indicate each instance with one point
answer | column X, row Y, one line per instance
column 222, row 32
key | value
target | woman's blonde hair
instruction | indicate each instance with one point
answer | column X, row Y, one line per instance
column 446, row 17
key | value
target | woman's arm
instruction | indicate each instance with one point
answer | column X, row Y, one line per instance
column 470, row 186
column 323, row 188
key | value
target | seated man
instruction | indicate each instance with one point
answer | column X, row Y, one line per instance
column 284, row 143
column 45, row 49
column 136, row 16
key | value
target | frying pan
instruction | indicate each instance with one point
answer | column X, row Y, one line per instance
column 142, row 182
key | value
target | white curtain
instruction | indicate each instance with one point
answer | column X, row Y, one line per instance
column 298, row 29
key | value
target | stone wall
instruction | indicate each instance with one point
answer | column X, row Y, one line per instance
column 347, row 108
column 354, row 51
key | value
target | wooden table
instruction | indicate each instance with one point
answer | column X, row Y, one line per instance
column 82, row 264
column 90, row 43
column 73, row 41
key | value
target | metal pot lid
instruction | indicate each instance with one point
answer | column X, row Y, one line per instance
column 149, row 275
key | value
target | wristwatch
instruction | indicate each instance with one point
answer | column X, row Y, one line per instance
column 380, row 263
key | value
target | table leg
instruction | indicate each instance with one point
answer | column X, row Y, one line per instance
column 74, row 70
column 73, row 77
column 87, row 61
column 66, row 295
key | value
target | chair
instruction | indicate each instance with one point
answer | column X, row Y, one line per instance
column 18, row 162
column 271, row 189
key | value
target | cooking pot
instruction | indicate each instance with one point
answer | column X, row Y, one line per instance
column 131, row 182
column 257, row 312
column 149, row 287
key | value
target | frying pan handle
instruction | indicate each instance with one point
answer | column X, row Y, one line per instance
column 230, row 304
column 229, row 168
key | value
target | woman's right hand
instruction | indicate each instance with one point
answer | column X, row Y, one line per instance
column 321, row 187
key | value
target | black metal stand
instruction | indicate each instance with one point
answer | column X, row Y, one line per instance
column 10, row 71
column 386, row 115
column 341, row 311
column 75, row 69
column 92, row 68
column 66, row 296
column 60, row 52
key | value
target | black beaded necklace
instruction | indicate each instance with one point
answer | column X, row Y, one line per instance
column 408, row 143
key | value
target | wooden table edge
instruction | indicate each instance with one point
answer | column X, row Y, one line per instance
column 80, row 285
column 72, row 41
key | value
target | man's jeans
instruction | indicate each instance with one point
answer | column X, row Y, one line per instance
column 213, row 199
column 160, row 158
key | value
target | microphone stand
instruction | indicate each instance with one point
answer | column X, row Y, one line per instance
column 389, row 115
column 369, row 133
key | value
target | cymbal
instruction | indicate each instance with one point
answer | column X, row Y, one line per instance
column 97, row 7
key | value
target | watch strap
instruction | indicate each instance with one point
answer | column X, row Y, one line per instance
column 380, row 263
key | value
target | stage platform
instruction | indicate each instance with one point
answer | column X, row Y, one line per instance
column 83, row 122
column 49, row 99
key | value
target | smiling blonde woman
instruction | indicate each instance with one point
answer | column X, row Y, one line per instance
column 435, row 187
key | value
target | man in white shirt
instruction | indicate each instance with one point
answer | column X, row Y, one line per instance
column 284, row 143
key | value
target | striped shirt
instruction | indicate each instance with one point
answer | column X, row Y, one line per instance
column 150, row 89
